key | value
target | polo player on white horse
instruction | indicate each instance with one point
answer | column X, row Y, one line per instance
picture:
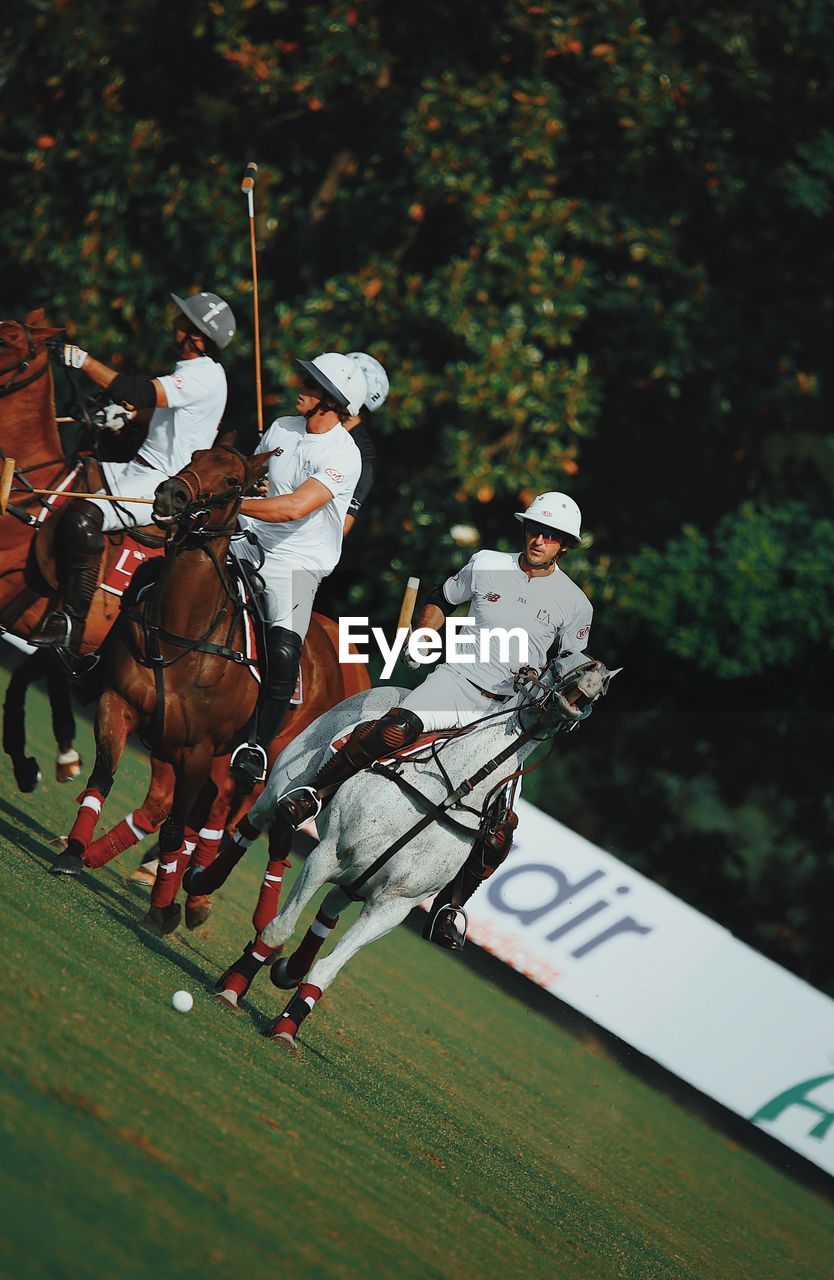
column 527, row 591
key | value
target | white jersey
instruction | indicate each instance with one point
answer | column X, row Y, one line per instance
column 314, row 542
column 196, row 395
column 549, row 609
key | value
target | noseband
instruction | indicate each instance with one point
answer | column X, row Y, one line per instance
column 200, row 503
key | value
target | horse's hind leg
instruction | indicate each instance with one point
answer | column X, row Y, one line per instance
column 198, row 906
column 114, row 721
column 376, row 919
column 68, row 763
column 140, row 822
column 27, row 773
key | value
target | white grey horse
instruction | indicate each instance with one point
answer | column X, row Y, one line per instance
column 369, row 813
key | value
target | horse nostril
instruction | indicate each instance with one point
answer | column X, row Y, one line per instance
column 179, row 498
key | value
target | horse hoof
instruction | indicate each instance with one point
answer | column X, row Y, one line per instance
column 161, row 921
column 68, row 770
column 67, row 864
column 228, row 1000
column 145, row 873
column 197, row 912
column 278, row 975
column 27, row 774
column 285, row 1041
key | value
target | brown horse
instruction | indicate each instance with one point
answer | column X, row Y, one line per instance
column 176, row 670
column 176, row 666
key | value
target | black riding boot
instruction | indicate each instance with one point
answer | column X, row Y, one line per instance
column 487, row 854
column 79, row 543
column 370, row 741
column 249, row 761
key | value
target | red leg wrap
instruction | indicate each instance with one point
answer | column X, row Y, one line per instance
column 208, row 846
column 131, row 829
column 90, row 802
column 169, row 875
column 302, row 1003
column 267, row 904
column 311, row 944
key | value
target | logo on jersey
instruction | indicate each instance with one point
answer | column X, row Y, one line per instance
column 334, row 475
column 178, row 382
column 580, row 635
column 543, row 616
column 547, row 513
column 492, row 596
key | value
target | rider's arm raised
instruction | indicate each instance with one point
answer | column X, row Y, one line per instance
column 308, row 497
column 140, row 393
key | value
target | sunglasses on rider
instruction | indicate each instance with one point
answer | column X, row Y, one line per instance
column 541, row 530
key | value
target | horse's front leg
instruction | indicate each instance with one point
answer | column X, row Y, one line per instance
column 68, row 762
column 27, row 773
column 139, row 822
column 320, row 866
column 114, row 721
column 378, row 917
column 177, row 840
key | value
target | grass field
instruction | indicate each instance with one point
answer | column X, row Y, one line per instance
column 433, row 1125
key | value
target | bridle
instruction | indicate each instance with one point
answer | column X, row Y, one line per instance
column 22, row 364
column 200, row 503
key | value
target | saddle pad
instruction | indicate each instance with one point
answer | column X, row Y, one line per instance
column 117, row 579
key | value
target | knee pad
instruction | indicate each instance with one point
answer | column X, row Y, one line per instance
column 283, row 649
column 81, row 530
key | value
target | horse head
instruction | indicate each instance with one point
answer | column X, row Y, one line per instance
column 205, row 496
column 562, row 696
column 21, row 342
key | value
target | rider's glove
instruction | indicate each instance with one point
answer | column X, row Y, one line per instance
column 70, row 355
column 115, row 416
column 411, row 663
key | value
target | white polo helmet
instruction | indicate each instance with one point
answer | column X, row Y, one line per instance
column 375, row 376
column 339, row 377
column 210, row 314
column 556, row 511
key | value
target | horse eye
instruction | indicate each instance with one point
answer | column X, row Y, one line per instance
column 230, row 480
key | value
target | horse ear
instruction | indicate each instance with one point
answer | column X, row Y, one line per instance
column 256, row 466
column 226, row 439
column 34, row 320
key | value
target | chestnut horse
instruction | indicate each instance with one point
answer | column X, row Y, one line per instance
column 177, row 667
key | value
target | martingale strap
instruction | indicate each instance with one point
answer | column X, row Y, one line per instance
column 414, row 793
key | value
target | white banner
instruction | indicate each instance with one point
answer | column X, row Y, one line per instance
column 664, row 978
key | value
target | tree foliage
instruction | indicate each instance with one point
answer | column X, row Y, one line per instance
column 590, row 242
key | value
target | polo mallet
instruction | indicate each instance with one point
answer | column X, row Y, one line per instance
column 7, row 476
column 247, row 186
column 409, row 602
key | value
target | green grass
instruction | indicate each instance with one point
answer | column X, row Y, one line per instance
column 432, row 1126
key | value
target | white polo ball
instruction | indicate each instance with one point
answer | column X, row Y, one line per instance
column 182, row 1001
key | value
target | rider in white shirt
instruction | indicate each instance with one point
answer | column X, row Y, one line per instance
column 187, row 406
column 298, row 530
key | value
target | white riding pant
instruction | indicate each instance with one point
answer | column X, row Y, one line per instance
column 135, row 480
column 447, row 700
column 290, row 592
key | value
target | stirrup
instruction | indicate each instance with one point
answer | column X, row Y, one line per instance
column 41, row 638
column 249, row 762
column 303, row 792
column 442, row 927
